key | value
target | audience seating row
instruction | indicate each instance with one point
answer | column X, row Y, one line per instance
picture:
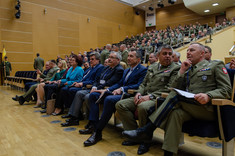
column 20, row 78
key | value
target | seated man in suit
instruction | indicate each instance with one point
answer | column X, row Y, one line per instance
column 110, row 75
column 206, row 80
column 68, row 92
column 53, row 70
column 157, row 80
column 131, row 79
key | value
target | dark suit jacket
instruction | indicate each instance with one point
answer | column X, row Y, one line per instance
column 110, row 77
column 92, row 75
column 133, row 81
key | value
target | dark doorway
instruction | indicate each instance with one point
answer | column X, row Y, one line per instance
column 220, row 18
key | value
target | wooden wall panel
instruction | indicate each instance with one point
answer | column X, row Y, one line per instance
column 104, row 35
column 63, row 27
column 230, row 13
column 179, row 14
column 16, row 36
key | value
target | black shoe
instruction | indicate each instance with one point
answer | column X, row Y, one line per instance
column 56, row 114
column 89, row 130
column 66, row 116
column 129, row 143
column 93, row 139
column 72, row 122
column 43, row 111
column 138, row 134
column 16, row 98
column 21, row 100
column 167, row 153
column 143, row 148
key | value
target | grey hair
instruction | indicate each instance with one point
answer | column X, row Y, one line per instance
column 117, row 55
column 138, row 53
column 165, row 46
column 154, row 54
column 96, row 54
column 202, row 47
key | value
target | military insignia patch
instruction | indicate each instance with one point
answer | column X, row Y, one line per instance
column 204, row 78
column 205, row 69
column 225, row 70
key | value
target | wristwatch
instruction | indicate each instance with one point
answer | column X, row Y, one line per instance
column 151, row 97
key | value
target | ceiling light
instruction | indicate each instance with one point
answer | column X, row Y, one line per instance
column 206, row 10
column 215, row 4
column 143, row 6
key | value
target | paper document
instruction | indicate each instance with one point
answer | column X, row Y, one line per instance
column 184, row 93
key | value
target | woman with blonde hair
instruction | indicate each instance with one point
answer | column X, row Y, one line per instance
column 40, row 88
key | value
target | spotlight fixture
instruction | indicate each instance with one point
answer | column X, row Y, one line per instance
column 151, row 8
column 17, row 15
column 137, row 12
column 17, row 7
column 206, row 10
column 160, row 5
column 172, row 1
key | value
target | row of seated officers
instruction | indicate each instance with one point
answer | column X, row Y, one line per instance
column 205, row 79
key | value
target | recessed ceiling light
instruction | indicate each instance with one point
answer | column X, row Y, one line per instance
column 215, row 4
column 206, row 10
column 143, row 6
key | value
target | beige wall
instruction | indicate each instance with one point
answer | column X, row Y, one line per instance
column 220, row 45
column 63, row 28
column 230, row 13
column 179, row 14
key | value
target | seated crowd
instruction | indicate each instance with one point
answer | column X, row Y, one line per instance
column 106, row 78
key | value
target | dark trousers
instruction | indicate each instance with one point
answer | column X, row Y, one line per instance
column 108, row 109
column 28, row 85
column 49, row 90
column 65, row 97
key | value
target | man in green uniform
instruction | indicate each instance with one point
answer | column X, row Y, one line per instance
column 124, row 54
column 6, row 65
column 157, row 80
column 105, row 53
column 38, row 63
column 27, row 96
column 206, row 80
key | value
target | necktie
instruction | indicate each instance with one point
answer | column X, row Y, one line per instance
column 128, row 74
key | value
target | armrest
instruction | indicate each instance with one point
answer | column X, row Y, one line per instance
column 222, row 102
column 131, row 91
column 164, row 95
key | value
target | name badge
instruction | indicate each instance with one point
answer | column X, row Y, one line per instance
column 204, row 78
column 102, row 81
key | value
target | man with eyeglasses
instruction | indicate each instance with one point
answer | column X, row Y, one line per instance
column 131, row 79
column 157, row 80
column 206, row 80
column 109, row 76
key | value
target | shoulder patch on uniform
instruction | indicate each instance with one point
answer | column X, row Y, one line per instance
column 225, row 70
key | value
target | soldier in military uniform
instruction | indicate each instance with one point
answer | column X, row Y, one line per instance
column 157, row 80
column 105, row 53
column 166, row 40
column 38, row 62
column 206, row 80
column 6, row 65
